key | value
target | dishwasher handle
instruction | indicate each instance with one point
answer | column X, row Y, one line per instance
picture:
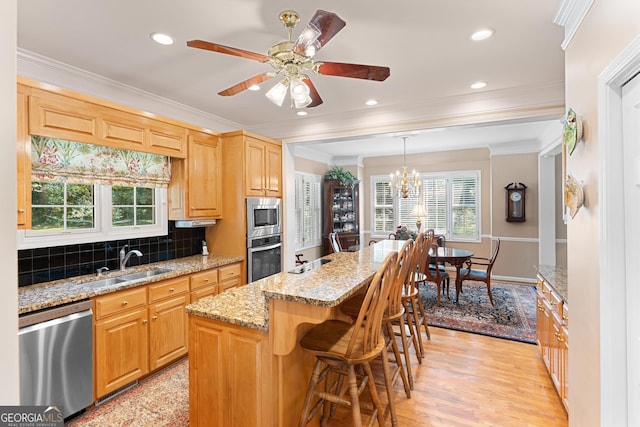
column 53, row 313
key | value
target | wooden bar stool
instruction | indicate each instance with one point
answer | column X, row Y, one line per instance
column 394, row 317
column 340, row 347
column 411, row 296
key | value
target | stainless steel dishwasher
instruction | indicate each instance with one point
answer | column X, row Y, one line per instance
column 56, row 357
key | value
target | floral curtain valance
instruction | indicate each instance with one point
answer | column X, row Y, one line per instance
column 75, row 162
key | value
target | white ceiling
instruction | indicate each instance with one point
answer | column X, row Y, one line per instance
column 425, row 43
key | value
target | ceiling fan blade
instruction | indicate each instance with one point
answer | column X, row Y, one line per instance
column 356, row 71
column 322, row 27
column 214, row 47
column 313, row 93
column 242, row 86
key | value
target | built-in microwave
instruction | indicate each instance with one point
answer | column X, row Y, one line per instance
column 263, row 217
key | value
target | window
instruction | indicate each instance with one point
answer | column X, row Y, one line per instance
column 308, row 210
column 451, row 200
column 64, row 213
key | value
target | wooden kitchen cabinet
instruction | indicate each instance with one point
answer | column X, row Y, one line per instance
column 195, row 191
column 139, row 330
column 215, row 281
column 227, row 362
column 23, row 152
column 552, row 336
column 263, row 169
column 120, row 339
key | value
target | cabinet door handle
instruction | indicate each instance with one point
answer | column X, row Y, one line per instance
column 154, row 318
column 144, row 322
column 192, row 208
column 20, row 210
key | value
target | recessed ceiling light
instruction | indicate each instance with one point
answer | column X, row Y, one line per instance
column 482, row 34
column 371, row 102
column 301, row 113
column 254, row 87
column 478, row 85
column 161, row 38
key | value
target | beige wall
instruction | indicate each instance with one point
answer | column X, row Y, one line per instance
column 608, row 28
column 517, row 256
column 561, row 227
column 316, row 168
column 519, row 240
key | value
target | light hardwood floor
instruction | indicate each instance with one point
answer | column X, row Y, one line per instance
column 473, row 380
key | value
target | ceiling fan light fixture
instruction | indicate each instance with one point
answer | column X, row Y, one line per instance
column 309, row 40
column 277, row 93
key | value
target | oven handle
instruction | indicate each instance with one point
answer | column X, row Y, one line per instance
column 265, row 248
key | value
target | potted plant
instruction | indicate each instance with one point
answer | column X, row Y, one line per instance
column 346, row 178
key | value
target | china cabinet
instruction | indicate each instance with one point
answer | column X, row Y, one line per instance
column 340, row 214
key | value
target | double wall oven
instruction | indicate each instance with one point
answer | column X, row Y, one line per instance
column 264, row 237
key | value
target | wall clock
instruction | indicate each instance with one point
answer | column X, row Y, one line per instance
column 515, row 202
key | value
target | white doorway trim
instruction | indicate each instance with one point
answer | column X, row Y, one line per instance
column 613, row 313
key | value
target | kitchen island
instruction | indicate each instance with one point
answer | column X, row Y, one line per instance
column 245, row 365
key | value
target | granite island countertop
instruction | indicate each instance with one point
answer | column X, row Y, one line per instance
column 59, row 292
column 327, row 285
column 556, row 276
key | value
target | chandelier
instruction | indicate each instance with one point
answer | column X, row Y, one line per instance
column 403, row 186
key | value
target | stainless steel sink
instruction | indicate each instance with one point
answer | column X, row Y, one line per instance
column 142, row 274
column 103, row 283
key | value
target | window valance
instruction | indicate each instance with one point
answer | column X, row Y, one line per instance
column 75, row 162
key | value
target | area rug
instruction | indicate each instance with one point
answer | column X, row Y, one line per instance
column 159, row 400
column 513, row 317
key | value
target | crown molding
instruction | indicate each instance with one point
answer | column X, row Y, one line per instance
column 311, row 154
column 570, row 16
column 47, row 70
column 520, row 147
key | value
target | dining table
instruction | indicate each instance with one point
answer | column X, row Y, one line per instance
column 453, row 256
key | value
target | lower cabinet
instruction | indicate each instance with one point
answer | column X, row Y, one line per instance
column 138, row 331
column 552, row 336
column 229, row 375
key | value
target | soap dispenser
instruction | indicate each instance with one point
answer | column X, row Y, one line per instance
column 205, row 251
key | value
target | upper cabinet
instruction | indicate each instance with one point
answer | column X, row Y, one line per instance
column 195, row 191
column 79, row 118
column 23, row 151
column 263, row 168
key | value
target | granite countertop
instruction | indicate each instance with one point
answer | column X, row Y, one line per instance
column 556, row 276
column 51, row 294
column 327, row 286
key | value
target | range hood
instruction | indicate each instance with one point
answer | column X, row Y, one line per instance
column 195, row 223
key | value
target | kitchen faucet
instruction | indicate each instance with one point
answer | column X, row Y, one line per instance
column 124, row 256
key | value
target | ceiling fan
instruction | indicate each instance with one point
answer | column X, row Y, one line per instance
column 294, row 59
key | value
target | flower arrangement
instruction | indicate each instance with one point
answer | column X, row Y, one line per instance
column 403, row 233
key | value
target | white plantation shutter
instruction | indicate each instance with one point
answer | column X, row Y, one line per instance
column 383, row 221
column 308, row 210
column 434, row 189
column 464, row 207
column 451, row 201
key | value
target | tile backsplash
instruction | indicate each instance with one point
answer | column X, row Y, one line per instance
column 60, row 262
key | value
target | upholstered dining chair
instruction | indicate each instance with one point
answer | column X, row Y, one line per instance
column 479, row 268
column 340, row 347
column 335, row 242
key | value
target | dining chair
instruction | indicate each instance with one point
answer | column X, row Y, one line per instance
column 340, row 347
column 335, row 242
column 483, row 273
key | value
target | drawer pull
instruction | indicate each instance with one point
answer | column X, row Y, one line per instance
column 124, row 303
column 144, row 322
column 206, row 280
column 565, row 317
column 559, row 336
column 171, row 289
column 154, row 318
